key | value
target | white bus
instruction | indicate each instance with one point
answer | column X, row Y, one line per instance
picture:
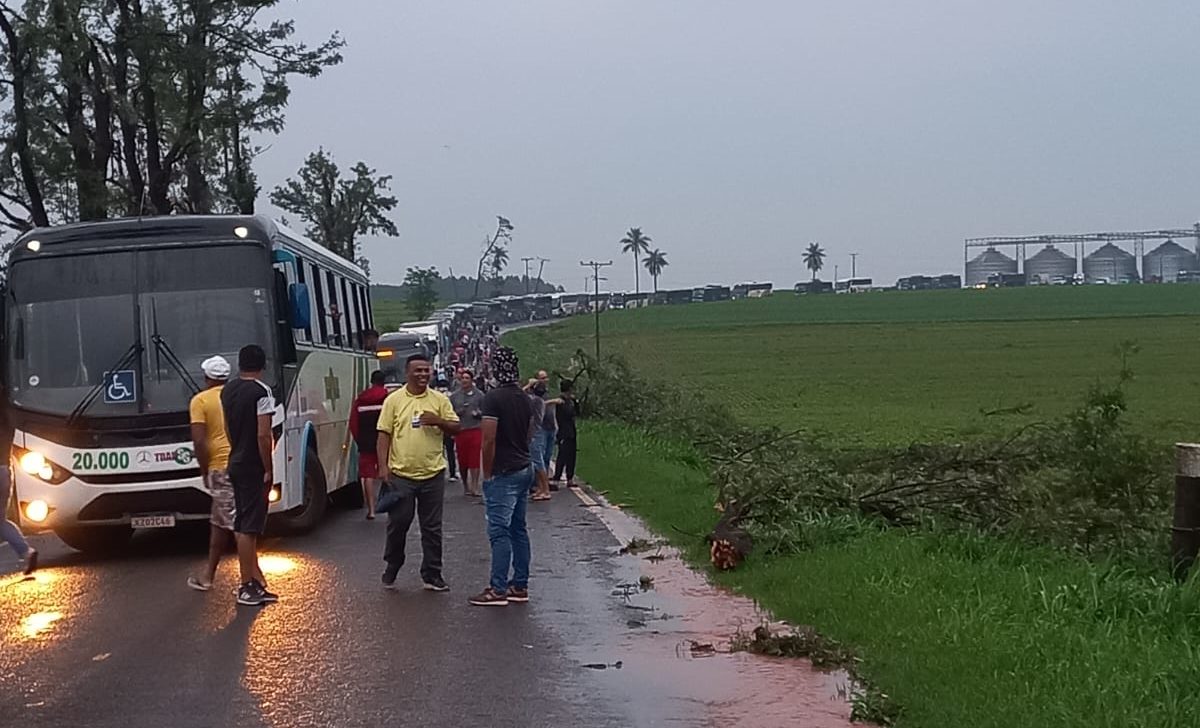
column 106, row 324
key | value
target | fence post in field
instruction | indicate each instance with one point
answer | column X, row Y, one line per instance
column 1185, row 527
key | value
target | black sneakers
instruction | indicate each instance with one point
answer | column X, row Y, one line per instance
column 389, row 577
column 436, row 584
column 253, row 594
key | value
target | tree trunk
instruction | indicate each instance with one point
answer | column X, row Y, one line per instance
column 89, row 185
column 637, row 283
column 135, row 190
column 19, row 57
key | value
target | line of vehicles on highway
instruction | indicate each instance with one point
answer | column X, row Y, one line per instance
column 105, row 325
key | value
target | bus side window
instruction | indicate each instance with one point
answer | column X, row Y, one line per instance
column 369, row 315
column 306, row 332
column 336, row 310
column 353, row 327
column 319, row 292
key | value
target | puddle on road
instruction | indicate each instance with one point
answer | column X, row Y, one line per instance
column 677, row 645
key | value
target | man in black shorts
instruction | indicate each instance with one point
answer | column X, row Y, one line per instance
column 249, row 406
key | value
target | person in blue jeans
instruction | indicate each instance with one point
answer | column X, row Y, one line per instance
column 508, row 422
column 10, row 532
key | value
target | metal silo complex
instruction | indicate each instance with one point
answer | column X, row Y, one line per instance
column 1167, row 261
column 1049, row 264
column 989, row 262
column 1112, row 264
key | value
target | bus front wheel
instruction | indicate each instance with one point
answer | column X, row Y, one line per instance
column 95, row 539
column 308, row 514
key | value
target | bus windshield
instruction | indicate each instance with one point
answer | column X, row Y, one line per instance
column 72, row 318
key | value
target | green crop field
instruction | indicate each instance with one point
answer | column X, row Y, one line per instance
column 958, row 627
column 890, row 368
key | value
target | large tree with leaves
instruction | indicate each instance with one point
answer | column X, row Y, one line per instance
column 814, row 258
column 132, row 107
column 422, row 290
column 338, row 210
column 655, row 262
column 638, row 243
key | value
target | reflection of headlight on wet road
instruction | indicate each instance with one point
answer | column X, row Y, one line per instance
column 36, row 624
column 275, row 564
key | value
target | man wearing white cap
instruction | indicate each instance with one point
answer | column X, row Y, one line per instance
column 212, row 453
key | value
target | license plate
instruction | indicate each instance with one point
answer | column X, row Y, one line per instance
column 152, row 521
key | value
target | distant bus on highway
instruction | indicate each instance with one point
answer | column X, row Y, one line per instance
column 106, row 326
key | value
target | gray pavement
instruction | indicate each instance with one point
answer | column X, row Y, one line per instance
column 123, row 642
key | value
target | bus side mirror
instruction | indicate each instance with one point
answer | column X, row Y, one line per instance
column 300, row 307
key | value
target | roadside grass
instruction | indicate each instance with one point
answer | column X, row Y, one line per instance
column 960, row 630
column 915, row 367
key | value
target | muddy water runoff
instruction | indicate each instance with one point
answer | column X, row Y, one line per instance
column 677, row 644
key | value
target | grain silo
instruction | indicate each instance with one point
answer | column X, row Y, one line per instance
column 1110, row 263
column 1167, row 261
column 1048, row 264
column 987, row 263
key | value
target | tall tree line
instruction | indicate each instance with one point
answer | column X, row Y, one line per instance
column 140, row 107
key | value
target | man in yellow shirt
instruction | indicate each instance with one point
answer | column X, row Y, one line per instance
column 411, row 427
column 211, row 445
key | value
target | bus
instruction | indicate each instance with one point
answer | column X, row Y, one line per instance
column 106, row 324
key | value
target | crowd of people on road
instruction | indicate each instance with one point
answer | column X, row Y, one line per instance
column 503, row 439
column 476, row 423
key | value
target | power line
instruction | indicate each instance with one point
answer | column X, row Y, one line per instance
column 596, row 266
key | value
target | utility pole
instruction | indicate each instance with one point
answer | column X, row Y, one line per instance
column 596, row 266
column 527, row 261
column 541, row 266
column 854, row 265
column 835, row 274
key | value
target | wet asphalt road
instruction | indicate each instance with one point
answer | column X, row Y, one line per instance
column 123, row 642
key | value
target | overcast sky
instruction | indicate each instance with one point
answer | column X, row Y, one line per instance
column 735, row 133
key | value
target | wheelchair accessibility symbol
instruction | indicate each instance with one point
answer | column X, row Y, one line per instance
column 120, row 387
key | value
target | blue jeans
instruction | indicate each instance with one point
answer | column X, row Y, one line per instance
column 542, row 449
column 8, row 530
column 505, row 497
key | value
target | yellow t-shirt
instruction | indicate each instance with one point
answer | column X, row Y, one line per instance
column 416, row 452
column 205, row 409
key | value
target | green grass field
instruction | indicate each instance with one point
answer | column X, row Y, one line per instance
column 959, row 629
column 891, row 368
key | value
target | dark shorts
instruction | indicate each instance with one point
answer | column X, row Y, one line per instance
column 249, row 502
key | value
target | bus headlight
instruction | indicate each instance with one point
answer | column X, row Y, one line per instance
column 34, row 463
column 37, row 511
column 273, row 495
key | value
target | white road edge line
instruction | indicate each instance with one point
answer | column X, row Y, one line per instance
column 584, row 498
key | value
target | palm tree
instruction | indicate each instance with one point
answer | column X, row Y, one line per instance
column 637, row 243
column 499, row 260
column 814, row 259
column 655, row 261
